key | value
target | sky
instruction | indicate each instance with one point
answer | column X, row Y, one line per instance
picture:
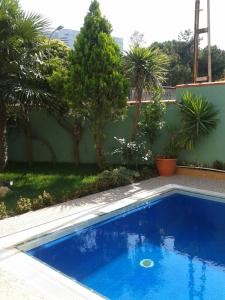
column 158, row 20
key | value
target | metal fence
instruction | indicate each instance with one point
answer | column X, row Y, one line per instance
column 168, row 94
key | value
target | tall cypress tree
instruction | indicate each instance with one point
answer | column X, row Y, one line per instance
column 97, row 87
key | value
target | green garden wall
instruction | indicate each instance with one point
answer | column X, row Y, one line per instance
column 207, row 151
column 212, row 147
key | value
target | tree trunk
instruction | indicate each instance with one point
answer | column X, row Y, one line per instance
column 76, row 132
column 29, row 147
column 25, row 126
column 3, row 138
column 76, row 142
column 45, row 142
column 136, row 116
column 99, row 137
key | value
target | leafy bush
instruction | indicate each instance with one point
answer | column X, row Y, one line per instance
column 37, row 203
column 132, row 153
column 116, row 177
column 23, row 205
column 3, row 210
column 46, row 198
column 152, row 119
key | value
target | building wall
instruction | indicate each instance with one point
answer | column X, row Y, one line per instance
column 68, row 36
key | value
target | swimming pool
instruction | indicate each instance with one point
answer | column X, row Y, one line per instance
column 170, row 247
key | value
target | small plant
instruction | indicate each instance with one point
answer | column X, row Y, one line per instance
column 37, row 203
column 3, row 210
column 116, row 177
column 195, row 164
column 219, row 165
column 46, row 198
column 147, row 172
column 132, row 153
column 23, row 205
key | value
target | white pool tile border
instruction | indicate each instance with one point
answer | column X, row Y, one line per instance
column 54, row 284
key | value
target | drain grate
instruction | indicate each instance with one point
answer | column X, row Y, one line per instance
column 147, row 263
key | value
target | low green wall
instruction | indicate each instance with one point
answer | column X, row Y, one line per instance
column 208, row 150
column 212, row 147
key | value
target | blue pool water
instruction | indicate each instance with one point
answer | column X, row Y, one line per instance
column 184, row 236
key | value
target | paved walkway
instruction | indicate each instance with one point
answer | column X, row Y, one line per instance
column 12, row 287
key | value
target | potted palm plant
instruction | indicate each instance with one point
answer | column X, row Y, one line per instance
column 198, row 119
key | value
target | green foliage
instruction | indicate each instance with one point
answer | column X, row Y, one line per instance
column 116, row 177
column 23, row 205
column 20, row 54
column 199, row 118
column 152, row 119
column 181, row 52
column 3, row 210
column 218, row 63
column 219, row 165
column 97, row 86
column 193, row 164
column 37, row 203
column 173, row 146
column 43, row 200
column 146, row 68
column 132, row 153
column 22, row 82
column 57, row 55
column 46, row 198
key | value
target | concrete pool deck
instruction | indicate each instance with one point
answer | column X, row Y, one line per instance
column 16, row 229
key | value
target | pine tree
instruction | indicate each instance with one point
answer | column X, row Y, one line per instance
column 98, row 86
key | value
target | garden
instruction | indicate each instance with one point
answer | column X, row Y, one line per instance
column 85, row 89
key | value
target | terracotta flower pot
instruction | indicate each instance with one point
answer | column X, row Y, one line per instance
column 166, row 166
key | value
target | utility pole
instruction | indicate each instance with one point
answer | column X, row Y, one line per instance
column 197, row 32
column 209, row 43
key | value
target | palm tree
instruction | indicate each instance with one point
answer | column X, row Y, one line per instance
column 21, row 81
column 146, row 69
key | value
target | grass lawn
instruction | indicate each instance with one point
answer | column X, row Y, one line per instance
column 60, row 180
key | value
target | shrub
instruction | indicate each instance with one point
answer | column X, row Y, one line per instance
column 147, row 172
column 37, row 203
column 152, row 119
column 85, row 190
column 3, row 210
column 219, row 165
column 198, row 118
column 46, row 198
column 132, row 153
column 23, row 205
column 116, row 177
